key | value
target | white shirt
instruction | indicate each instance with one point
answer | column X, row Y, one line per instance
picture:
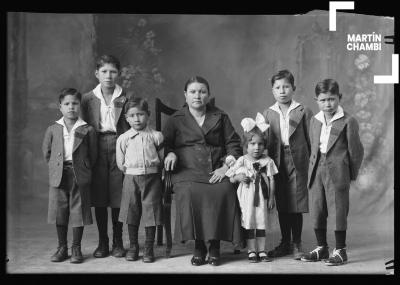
column 326, row 127
column 284, row 120
column 69, row 137
column 107, row 112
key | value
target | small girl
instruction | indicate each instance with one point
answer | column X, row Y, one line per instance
column 139, row 156
column 256, row 190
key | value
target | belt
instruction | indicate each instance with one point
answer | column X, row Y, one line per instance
column 107, row 133
column 67, row 163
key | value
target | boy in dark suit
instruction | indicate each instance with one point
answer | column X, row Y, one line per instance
column 289, row 147
column 102, row 108
column 70, row 149
column 336, row 156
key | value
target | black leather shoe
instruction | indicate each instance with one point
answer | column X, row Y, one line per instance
column 118, row 250
column 102, row 250
column 282, row 249
column 133, row 253
column 198, row 260
column 76, row 254
column 214, row 261
column 60, row 255
column 148, row 255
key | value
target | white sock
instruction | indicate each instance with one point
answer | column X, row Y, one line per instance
column 251, row 245
column 261, row 244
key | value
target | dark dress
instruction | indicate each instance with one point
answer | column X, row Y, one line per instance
column 204, row 211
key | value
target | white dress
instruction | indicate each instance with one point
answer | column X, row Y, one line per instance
column 252, row 217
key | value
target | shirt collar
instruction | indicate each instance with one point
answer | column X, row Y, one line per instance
column 77, row 124
column 339, row 114
column 132, row 132
column 293, row 105
column 117, row 92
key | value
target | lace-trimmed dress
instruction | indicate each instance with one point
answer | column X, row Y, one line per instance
column 252, row 217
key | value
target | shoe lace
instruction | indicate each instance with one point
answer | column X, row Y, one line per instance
column 317, row 250
column 336, row 252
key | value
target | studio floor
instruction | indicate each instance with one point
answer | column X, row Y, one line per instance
column 31, row 242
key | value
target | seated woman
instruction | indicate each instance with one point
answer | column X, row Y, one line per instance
column 200, row 144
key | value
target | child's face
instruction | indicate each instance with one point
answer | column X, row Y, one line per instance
column 137, row 118
column 328, row 103
column 255, row 146
column 196, row 95
column 70, row 107
column 283, row 91
column 107, row 75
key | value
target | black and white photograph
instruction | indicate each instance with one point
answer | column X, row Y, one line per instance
column 201, row 143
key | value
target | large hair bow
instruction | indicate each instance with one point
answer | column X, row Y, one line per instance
column 248, row 123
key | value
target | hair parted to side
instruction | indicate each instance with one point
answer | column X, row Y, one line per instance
column 138, row 102
column 69, row 91
column 197, row 79
column 283, row 74
column 107, row 59
column 327, row 86
column 247, row 136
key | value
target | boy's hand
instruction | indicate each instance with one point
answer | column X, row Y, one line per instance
column 242, row 178
column 271, row 203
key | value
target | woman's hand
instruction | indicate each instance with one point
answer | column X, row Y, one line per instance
column 242, row 178
column 218, row 174
column 170, row 161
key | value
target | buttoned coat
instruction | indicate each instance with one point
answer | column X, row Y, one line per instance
column 200, row 150
column 344, row 152
column 90, row 108
column 84, row 154
column 299, row 142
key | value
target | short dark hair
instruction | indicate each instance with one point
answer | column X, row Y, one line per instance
column 286, row 74
column 327, row 86
column 110, row 59
column 247, row 136
column 197, row 79
column 137, row 102
column 69, row 91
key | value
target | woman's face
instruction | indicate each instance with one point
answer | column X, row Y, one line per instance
column 196, row 95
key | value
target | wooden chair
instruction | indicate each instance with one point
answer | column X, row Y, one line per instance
column 161, row 108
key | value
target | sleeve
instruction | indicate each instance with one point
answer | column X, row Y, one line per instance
column 232, row 170
column 308, row 115
column 168, row 133
column 120, row 152
column 46, row 145
column 92, row 146
column 271, row 168
column 159, row 141
column 231, row 138
column 355, row 148
column 84, row 108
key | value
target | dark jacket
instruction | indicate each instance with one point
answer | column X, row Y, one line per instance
column 90, row 108
column 344, row 152
column 200, row 150
column 84, row 154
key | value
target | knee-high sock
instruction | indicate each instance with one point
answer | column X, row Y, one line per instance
column 133, row 231
column 62, row 231
column 102, row 222
column 117, row 226
column 321, row 237
column 150, row 235
column 340, row 237
column 297, row 226
column 284, row 224
column 77, row 233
